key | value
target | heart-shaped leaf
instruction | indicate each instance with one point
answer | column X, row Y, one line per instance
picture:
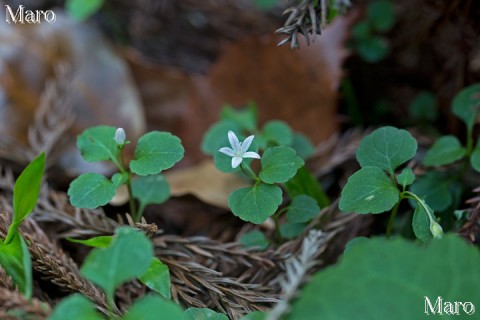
column 466, row 105
column 151, row 306
column 406, row 177
column 445, row 150
column 153, row 189
column 15, row 260
column 217, row 136
column 157, row 278
column 255, row 238
column 98, row 144
column 278, row 132
column 245, row 118
column 302, row 209
column 91, row 190
column 257, row 203
column 75, row 307
column 279, row 164
column 156, row 151
column 386, row 148
column 369, row 190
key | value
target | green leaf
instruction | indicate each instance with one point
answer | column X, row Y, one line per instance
column 257, row 203
column 304, row 182
column 381, row 15
column 361, row 31
column 203, row 314
column 278, row 132
column 224, row 163
column 406, row 177
column 97, row 242
column 373, row 49
column 421, row 222
column 433, row 187
column 369, row 190
column 386, row 148
column 265, row 4
column 475, row 159
column 119, row 178
column 25, row 193
column 245, row 118
column 15, row 260
column 91, row 190
column 424, row 107
column 98, row 144
column 156, row 151
column 217, row 136
column 150, row 307
column 291, row 230
column 382, row 277
column 445, row 150
column 256, row 315
column 466, row 104
column 302, row 209
column 81, row 10
column 254, row 238
column 157, row 278
column 128, row 257
column 153, row 189
column 302, row 146
column 279, row 164
column 75, row 307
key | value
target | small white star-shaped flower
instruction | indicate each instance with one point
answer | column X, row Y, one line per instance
column 238, row 151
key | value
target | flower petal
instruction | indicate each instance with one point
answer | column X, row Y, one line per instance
column 251, row 154
column 228, row 151
column 246, row 143
column 232, row 137
column 236, row 161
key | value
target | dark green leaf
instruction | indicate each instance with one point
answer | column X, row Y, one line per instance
column 278, row 132
column 82, row 9
column 302, row 146
column 466, row 104
column 361, row 31
column 444, row 151
column 291, row 230
column 421, row 222
column 217, row 136
column 406, row 177
column 119, row 179
column 244, row 118
column 150, row 307
column 369, row 190
column 304, row 182
column 424, row 107
column 257, row 203
column 433, row 187
column 256, row 239
column 91, row 190
column 475, row 159
column 98, row 144
column 203, row 314
column 256, row 315
column 279, row 164
column 156, row 151
column 302, row 209
column 157, row 278
column 373, row 49
column 75, row 307
column 15, row 260
column 153, row 189
column 381, row 15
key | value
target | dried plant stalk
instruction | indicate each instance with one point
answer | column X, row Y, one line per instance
column 11, row 300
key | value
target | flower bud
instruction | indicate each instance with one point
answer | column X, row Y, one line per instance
column 120, row 137
column 436, row 230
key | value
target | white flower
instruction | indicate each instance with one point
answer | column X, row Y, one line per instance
column 238, row 151
column 120, row 136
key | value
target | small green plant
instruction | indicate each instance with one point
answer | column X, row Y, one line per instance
column 14, row 256
column 155, row 151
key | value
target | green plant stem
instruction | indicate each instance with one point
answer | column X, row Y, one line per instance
column 469, row 142
column 131, row 200
column 392, row 218
column 248, row 171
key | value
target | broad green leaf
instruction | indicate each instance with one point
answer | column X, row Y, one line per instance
column 153, row 189
column 156, row 151
column 98, row 144
column 382, row 277
column 445, row 150
column 25, row 193
column 433, row 187
column 254, row 238
column 369, row 190
column 421, row 222
column 119, row 179
column 97, row 242
column 157, row 278
column 304, row 182
column 278, row 132
column 424, row 107
column 75, row 307
column 291, row 230
column 475, row 159
column 361, row 31
column 466, row 104
column 302, row 146
column 245, row 118
column 373, row 49
column 128, row 257
column 257, row 203
column 82, row 9
column 91, row 190
column 386, row 148
column 217, row 136
column 15, row 260
column 406, row 177
column 203, row 314
column 302, row 209
column 381, row 15
column 151, row 307
column 256, row 315
column 279, row 164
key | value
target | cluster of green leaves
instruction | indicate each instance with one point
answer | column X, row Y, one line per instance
column 375, row 188
column 367, row 39
column 281, row 165
column 14, row 256
column 155, row 151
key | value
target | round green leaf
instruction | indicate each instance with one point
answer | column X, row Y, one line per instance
column 302, row 146
column 257, row 203
column 245, row 118
column 381, row 15
column 291, row 230
column 406, row 178
column 157, row 278
column 386, row 148
column 361, row 31
column 97, row 144
column 156, row 151
column 466, row 104
column 389, row 279
column 279, row 164
column 369, row 190
column 256, row 239
column 444, row 151
column 373, row 49
column 128, row 256
column 203, row 314
column 302, row 209
column 217, row 136
column 153, row 307
column 75, row 307
column 91, row 190
column 278, row 132
column 153, row 189
column 424, row 107
column 433, row 187
column 475, row 160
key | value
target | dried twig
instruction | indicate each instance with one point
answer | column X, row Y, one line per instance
column 12, row 302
